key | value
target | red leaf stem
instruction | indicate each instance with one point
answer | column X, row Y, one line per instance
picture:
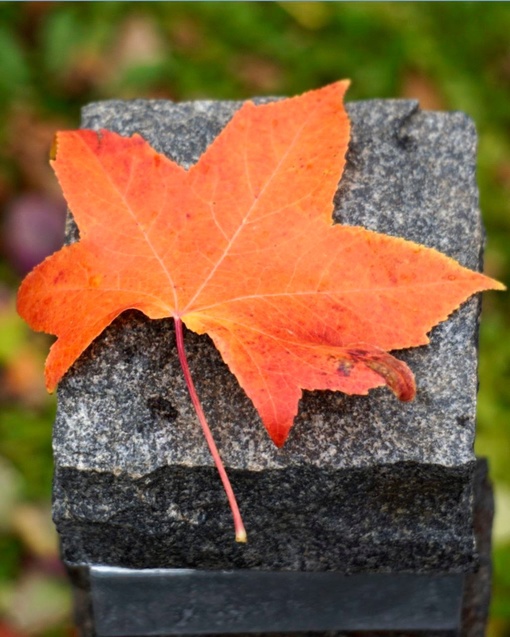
column 238, row 522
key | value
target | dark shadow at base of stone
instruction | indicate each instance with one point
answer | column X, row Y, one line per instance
column 476, row 590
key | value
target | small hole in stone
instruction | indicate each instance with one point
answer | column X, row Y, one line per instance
column 162, row 408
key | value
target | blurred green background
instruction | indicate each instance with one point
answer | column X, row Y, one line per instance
column 55, row 57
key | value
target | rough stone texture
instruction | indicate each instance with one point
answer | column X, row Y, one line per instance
column 364, row 483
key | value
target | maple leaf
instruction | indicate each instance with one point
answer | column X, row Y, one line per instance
column 242, row 247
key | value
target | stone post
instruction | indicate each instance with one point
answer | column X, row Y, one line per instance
column 370, row 503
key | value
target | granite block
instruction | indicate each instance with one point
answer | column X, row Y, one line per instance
column 364, row 483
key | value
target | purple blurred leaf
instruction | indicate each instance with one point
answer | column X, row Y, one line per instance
column 33, row 228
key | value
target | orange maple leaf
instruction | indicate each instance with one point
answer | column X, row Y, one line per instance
column 242, row 247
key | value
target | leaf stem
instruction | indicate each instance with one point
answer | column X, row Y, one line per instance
column 238, row 522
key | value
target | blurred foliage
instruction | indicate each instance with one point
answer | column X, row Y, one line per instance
column 55, row 57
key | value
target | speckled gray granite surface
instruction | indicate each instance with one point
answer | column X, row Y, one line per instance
column 363, row 483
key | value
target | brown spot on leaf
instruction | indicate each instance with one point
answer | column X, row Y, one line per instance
column 53, row 149
column 344, row 368
column 59, row 277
